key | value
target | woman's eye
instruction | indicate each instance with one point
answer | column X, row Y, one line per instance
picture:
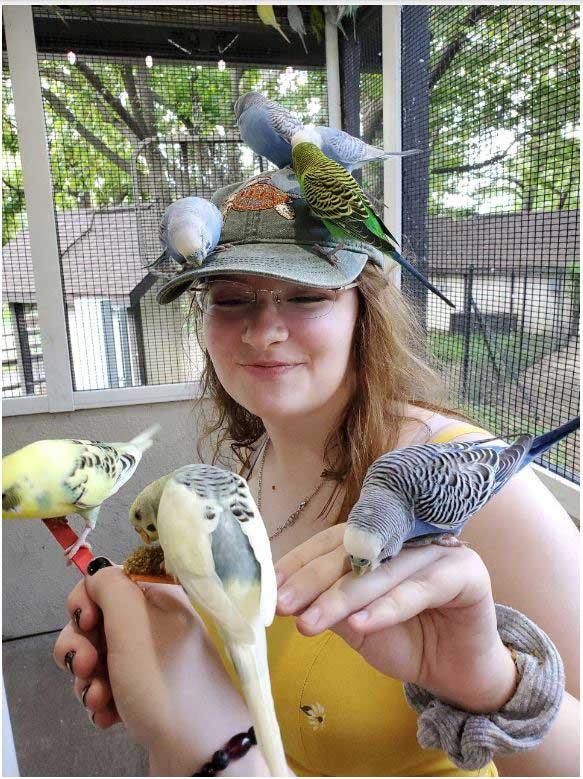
column 229, row 302
column 306, row 299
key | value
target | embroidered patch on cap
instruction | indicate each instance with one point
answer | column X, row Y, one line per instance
column 259, row 195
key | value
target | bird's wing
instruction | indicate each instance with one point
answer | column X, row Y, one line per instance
column 98, row 471
column 511, row 458
column 332, row 193
column 454, row 484
column 186, row 523
column 247, row 513
column 284, row 124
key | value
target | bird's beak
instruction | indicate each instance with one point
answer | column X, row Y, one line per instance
column 359, row 569
column 145, row 537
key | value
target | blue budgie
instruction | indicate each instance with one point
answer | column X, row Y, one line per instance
column 425, row 494
column 189, row 230
column 267, row 128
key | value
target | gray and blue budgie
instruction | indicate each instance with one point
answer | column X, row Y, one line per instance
column 189, row 230
column 425, row 494
column 216, row 545
column 267, row 128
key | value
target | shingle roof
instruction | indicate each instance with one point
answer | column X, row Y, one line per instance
column 100, row 256
column 543, row 240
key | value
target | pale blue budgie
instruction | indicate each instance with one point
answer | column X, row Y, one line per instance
column 55, row 478
column 425, row 494
column 216, row 545
column 189, row 230
column 267, row 128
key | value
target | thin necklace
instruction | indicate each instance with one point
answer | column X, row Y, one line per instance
column 293, row 518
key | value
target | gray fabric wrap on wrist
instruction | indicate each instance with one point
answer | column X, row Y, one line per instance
column 471, row 740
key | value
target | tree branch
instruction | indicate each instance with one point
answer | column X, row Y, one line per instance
column 130, row 85
column 186, row 121
column 474, row 16
column 60, row 108
column 112, row 101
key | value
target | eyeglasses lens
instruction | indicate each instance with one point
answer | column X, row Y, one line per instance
column 231, row 300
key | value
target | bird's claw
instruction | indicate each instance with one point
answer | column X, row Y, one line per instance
column 329, row 254
column 72, row 550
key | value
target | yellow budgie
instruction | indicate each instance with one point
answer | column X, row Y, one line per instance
column 54, row 478
column 267, row 15
column 216, row 545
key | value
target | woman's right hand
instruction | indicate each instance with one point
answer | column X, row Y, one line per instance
column 144, row 657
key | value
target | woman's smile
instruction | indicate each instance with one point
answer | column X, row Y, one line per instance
column 269, row 369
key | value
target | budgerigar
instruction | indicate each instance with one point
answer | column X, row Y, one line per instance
column 54, row 478
column 335, row 197
column 267, row 128
column 426, row 494
column 190, row 229
column 267, row 15
column 296, row 22
column 216, row 545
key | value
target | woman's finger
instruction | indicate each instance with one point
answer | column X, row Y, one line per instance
column 106, row 717
column 314, row 547
column 94, row 693
column 74, row 652
column 440, row 584
column 350, row 593
column 83, row 610
column 305, row 585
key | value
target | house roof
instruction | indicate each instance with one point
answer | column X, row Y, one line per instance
column 99, row 250
column 539, row 240
column 101, row 253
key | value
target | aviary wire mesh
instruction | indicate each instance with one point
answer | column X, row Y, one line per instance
column 22, row 360
column 491, row 206
column 138, row 105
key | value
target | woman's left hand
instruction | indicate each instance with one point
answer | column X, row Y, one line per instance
column 425, row 617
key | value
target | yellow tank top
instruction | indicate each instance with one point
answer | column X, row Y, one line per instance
column 339, row 716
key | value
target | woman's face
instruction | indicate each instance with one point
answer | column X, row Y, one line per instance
column 279, row 366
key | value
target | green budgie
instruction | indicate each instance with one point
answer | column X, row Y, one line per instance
column 335, row 197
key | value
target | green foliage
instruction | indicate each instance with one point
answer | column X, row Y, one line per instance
column 515, row 77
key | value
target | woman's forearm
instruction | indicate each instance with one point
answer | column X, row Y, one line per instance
column 558, row 755
column 184, row 760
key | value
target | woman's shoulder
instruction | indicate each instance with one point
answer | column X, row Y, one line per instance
column 423, row 426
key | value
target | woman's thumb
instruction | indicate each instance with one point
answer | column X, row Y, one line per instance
column 113, row 591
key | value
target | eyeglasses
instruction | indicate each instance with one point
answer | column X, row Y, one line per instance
column 233, row 300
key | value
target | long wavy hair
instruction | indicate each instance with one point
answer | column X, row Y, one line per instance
column 389, row 372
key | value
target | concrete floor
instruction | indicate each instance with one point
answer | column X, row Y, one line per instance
column 52, row 732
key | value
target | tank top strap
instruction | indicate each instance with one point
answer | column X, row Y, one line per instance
column 454, row 429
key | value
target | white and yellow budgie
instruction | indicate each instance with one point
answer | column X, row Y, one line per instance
column 54, row 478
column 216, row 545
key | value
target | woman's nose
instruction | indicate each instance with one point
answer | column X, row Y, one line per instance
column 264, row 325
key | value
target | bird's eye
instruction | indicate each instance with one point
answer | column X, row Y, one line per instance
column 152, row 528
column 138, row 515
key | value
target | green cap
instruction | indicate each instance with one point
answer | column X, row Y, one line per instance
column 268, row 230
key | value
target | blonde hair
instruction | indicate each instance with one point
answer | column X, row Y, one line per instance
column 389, row 374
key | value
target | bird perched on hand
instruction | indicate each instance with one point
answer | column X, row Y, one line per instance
column 335, row 197
column 216, row 545
column 425, row 494
column 267, row 128
column 54, row 478
column 190, row 229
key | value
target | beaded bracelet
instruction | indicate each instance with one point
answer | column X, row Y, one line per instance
column 235, row 748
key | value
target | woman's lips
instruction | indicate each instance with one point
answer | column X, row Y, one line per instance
column 270, row 371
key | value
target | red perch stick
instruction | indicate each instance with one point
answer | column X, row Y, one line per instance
column 66, row 538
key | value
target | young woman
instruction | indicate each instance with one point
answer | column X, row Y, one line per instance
column 313, row 369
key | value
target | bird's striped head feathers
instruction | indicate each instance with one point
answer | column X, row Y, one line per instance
column 248, row 100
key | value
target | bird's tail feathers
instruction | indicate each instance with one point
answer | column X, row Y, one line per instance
column 545, row 441
column 144, row 440
column 250, row 662
column 419, row 276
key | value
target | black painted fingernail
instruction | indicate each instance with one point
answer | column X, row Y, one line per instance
column 97, row 564
column 84, row 694
column 77, row 617
column 69, row 659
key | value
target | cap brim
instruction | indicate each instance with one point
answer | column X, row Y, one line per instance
column 290, row 262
